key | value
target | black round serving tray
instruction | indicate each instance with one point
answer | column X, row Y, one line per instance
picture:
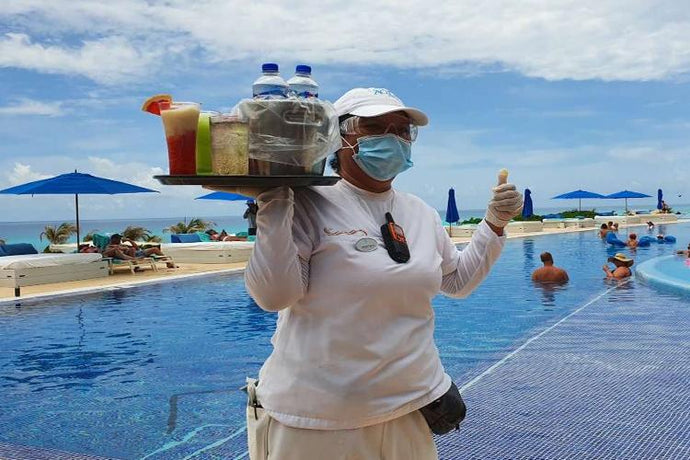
column 249, row 181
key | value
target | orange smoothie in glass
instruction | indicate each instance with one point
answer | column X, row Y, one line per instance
column 180, row 120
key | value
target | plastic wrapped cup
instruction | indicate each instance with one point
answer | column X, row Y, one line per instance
column 289, row 136
column 229, row 146
column 180, row 121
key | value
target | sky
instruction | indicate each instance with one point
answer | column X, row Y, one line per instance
column 565, row 94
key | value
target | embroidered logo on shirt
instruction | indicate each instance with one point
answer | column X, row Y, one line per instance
column 332, row 232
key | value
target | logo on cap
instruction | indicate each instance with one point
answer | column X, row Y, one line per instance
column 383, row 91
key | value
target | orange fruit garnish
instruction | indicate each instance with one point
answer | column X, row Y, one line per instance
column 151, row 104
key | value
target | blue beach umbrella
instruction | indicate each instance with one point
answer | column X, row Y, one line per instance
column 223, row 196
column 659, row 199
column 578, row 195
column 625, row 194
column 75, row 184
column 452, row 215
column 527, row 208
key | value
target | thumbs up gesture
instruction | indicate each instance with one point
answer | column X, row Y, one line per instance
column 506, row 202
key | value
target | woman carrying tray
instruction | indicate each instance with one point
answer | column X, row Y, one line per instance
column 352, row 269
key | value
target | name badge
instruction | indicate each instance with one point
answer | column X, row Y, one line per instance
column 366, row 245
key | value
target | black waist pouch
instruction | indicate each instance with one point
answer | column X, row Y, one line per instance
column 445, row 413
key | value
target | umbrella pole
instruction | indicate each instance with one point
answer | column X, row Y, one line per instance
column 76, row 206
column 626, row 206
column 579, row 204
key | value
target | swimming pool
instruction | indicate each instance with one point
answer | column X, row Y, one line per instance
column 153, row 372
column 667, row 272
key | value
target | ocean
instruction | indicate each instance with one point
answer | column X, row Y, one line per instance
column 30, row 231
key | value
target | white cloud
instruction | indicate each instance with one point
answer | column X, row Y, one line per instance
column 108, row 60
column 550, row 39
column 22, row 173
column 32, row 107
column 137, row 173
column 469, row 164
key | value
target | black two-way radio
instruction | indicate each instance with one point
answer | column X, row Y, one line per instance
column 394, row 240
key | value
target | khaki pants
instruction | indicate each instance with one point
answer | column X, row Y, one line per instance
column 405, row 438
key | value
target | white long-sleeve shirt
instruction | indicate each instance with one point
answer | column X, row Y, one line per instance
column 354, row 340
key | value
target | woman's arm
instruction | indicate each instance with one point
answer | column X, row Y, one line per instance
column 464, row 270
column 607, row 270
column 277, row 273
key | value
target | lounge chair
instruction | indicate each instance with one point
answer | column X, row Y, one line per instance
column 553, row 223
column 101, row 241
column 166, row 259
column 215, row 252
column 21, row 265
column 529, row 226
column 461, row 231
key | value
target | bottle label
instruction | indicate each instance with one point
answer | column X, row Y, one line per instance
column 272, row 92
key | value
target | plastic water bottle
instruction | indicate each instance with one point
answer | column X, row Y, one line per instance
column 302, row 85
column 270, row 84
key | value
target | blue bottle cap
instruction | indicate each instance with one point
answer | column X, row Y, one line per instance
column 303, row 69
column 269, row 67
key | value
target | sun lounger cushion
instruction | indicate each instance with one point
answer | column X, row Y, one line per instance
column 101, row 241
column 204, row 237
column 46, row 260
column 17, row 249
column 185, row 238
column 214, row 252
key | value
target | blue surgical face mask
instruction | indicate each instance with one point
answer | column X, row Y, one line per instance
column 383, row 157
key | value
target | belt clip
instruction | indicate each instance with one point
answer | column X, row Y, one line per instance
column 252, row 401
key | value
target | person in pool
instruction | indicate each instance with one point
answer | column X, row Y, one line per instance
column 632, row 241
column 549, row 273
column 622, row 264
column 603, row 231
column 352, row 270
column 684, row 252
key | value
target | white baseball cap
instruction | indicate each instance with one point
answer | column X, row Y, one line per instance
column 372, row 102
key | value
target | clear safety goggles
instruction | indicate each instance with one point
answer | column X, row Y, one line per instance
column 372, row 126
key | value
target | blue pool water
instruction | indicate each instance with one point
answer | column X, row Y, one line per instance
column 153, row 372
column 667, row 272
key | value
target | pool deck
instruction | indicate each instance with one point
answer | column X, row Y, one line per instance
column 119, row 279
column 124, row 279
